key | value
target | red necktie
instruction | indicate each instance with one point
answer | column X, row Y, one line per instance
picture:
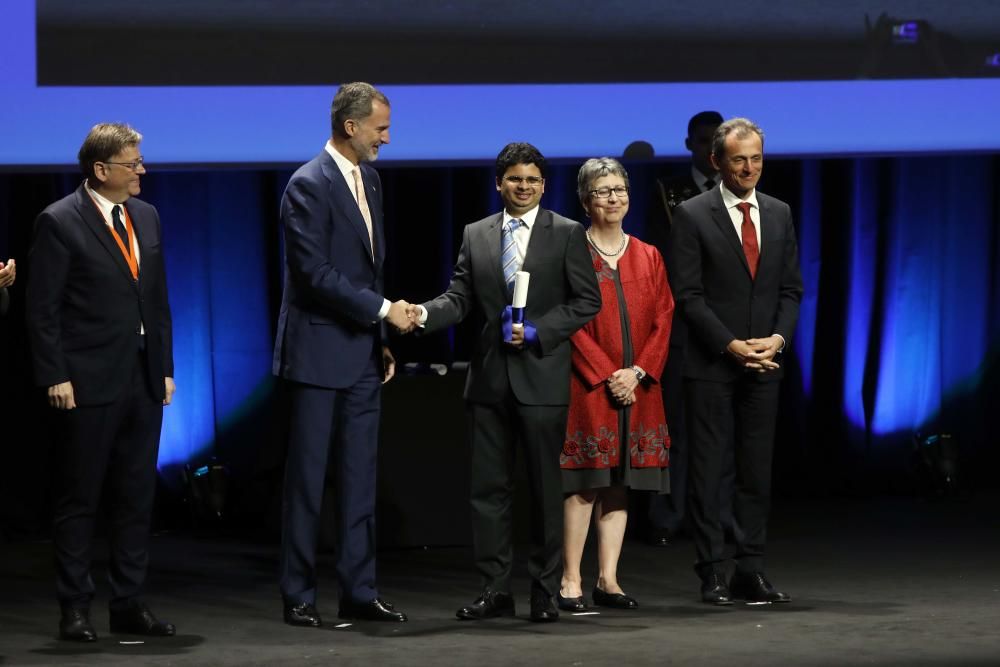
column 749, row 234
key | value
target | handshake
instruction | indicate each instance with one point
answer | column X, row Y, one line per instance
column 404, row 316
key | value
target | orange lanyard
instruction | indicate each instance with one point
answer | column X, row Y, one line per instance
column 127, row 253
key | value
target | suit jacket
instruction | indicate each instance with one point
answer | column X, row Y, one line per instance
column 562, row 297
column 84, row 308
column 713, row 288
column 4, row 300
column 328, row 323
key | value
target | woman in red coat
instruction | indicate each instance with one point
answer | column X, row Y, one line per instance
column 616, row 435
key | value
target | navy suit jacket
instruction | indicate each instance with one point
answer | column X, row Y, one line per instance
column 562, row 297
column 712, row 285
column 84, row 308
column 328, row 323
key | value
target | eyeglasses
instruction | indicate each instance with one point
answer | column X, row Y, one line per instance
column 620, row 191
column 133, row 165
column 533, row 181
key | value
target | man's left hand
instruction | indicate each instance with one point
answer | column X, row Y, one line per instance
column 763, row 351
column 389, row 362
column 169, row 388
column 8, row 272
column 516, row 337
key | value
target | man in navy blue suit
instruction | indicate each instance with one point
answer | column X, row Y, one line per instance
column 331, row 351
column 98, row 320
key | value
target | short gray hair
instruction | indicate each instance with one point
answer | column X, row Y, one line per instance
column 103, row 142
column 595, row 168
column 741, row 127
column 353, row 101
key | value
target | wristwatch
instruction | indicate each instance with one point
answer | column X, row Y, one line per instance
column 639, row 373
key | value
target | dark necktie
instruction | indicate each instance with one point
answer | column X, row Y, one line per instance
column 116, row 222
column 508, row 252
column 749, row 234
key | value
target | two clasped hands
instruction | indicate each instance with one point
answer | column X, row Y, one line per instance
column 757, row 354
column 622, row 384
column 405, row 317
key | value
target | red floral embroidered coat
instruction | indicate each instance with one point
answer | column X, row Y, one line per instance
column 592, row 438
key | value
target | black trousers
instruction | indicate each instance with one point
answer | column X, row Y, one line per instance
column 115, row 444
column 669, row 512
column 495, row 431
column 727, row 419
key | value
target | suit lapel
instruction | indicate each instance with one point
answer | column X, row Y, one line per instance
column 720, row 216
column 541, row 236
column 140, row 238
column 343, row 199
column 94, row 221
column 375, row 208
column 766, row 220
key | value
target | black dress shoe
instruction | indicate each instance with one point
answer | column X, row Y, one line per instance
column 754, row 587
column 575, row 605
column 615, row 600
column 303, row 614
column 137, row 619
column 714, row 590
column 74, row 626
column 542, row 609
column 490, row 604
column 373, row 610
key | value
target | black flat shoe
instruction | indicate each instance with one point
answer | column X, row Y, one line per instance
column 303, row 615
column 137, row 619
column 571, row 604
column 74, row 626
column 614, row 600
column 373, row 610
column 489, row 604
column 754, row 587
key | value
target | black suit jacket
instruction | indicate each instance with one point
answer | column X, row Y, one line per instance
column 712, row 285
column 328, row 322
column 84, row 308
column 562, row 297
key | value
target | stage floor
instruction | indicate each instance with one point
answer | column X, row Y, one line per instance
column 874, row 582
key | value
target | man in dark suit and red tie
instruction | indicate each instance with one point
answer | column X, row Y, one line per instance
column 735, row 275
column 99, row 325
column 331, row 351
column 517, row 391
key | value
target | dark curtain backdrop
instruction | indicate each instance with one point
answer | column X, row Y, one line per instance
column 899, row 329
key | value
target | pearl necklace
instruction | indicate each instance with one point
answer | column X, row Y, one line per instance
column 605, row 252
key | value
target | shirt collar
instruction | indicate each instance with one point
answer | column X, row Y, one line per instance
column 103, row 203
column 346, row 166
column 528, row 218
column 731, row 200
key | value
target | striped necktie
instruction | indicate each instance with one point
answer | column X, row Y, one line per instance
column 508, row 254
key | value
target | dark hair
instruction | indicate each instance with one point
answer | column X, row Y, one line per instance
column 353, row 101
column 519, row 153
column 741, row 127
column 713, row 118
column 103, row 142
